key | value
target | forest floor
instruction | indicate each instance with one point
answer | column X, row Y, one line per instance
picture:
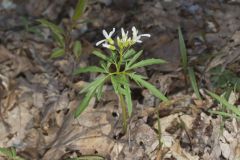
column 38, row 95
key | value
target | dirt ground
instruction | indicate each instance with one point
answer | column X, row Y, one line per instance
column 38, row 95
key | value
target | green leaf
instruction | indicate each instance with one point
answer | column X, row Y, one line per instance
column 89, row 69
column 79, row 10
column 59, row 39
column 92, row 90
column 105, row 66
column 34, row 30
column 93, row 85
column 224, row 78
column 113, row 57
column 83, row 105
column 77, row 49
column 224, row 102
column 6, row 152
column 18, row 158
column 117, row 81
column 134, row 58
column 100, row 55
column 10, row 153
column 99, row 91
column 129, row 53
column 150, row 87
column 13, row 152
column 142, row 77
column 146, row 62
column 183, row 49
column 115, row 84
column 57, row 31
column 121, row 79
column 193, row 82
column 128, row 97
column 51, row 26
column 58, row 52
column 224, row 114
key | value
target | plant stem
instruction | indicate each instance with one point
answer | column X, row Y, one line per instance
column 185, row 80
column 120, row 96
column 120, row 60
column 124, row 112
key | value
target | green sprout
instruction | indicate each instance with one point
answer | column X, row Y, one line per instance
column 233, row 109
column 9, row 154
column 118, row 67
column 65, row 43
column 187, row 69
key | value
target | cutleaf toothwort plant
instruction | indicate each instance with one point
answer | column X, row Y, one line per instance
column 118, row 67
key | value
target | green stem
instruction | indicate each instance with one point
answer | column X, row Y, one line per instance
column 120, row 61
column 124, row 112
column 117, row 73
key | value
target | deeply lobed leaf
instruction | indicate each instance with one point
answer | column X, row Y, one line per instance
column 134, row 58
column 115, row 84
column 89, row 69
column 92, row 89
column 102, row 56
column 139, row 79
column 84, row 103
column 127, row 95
column 129, row 54
column 146, row 62
column 93, row 85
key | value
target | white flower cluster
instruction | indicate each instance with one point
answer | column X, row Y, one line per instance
column 123, row 42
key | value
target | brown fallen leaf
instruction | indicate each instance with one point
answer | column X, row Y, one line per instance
column 5, row 54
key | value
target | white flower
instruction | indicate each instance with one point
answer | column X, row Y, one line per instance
column 123, row 41
column 124, row 35
column 136, row 38
column 108, row 37
column 109, row 46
